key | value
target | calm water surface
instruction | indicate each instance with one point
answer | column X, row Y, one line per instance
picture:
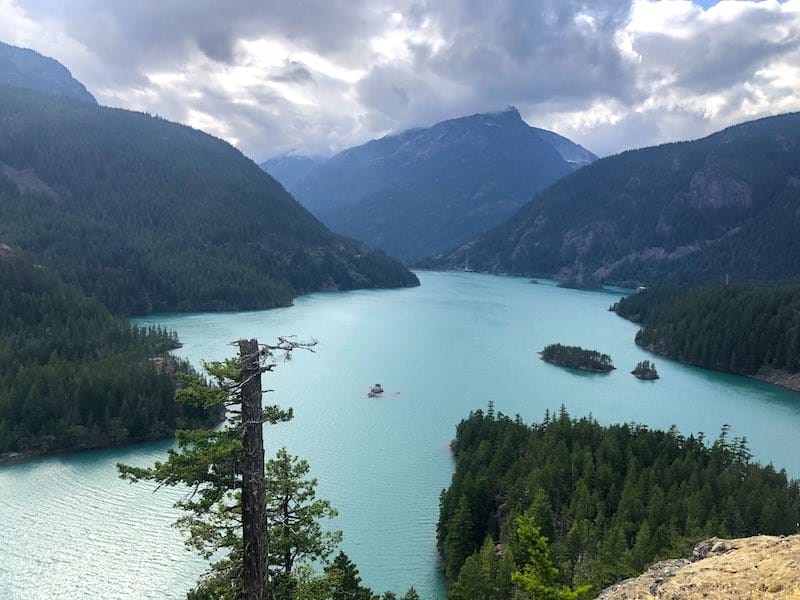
column 70, row 529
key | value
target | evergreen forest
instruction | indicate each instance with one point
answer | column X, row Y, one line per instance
column 145, row 215
column 73, row 376
column 610, row 500
column 106, row 213
column 576, row 357
column 740, row 329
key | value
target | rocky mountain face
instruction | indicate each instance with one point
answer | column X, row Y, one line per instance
column 28, row 69
column 757, row 567
column 424, row 191
column 725, row 205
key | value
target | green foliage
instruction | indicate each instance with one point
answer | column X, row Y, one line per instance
column 72, row 376
column 689, row 212
column 538, row 577
column 576, row 357
column 615, row 499
column 209, row 463
column 349, row 586
column 294, row 515
column 740, row 329
column 644, row 369
column 145, row 215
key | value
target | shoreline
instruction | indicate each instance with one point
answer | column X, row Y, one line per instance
column 778, row 377
column 18, row 457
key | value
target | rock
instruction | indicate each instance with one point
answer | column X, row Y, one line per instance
column 756, row 567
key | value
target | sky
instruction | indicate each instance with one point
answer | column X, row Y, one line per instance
column 313, row 77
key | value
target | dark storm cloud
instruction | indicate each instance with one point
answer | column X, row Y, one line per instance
column 724, row 53
column 318, row 75
column 541, row 49
column 505, row 52
column 164, row 33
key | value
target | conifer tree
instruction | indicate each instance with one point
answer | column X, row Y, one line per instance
column 225, row 471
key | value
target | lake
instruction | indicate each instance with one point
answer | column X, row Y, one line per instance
column 70, row 528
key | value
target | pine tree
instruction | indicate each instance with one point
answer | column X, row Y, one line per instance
column 227, row 511
column 538, row 576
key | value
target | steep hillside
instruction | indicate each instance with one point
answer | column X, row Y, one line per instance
column 146, row 215
column 425, row 190
column 28, row 69
column 691, row 212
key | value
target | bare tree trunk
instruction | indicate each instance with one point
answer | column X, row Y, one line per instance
column 254, row 521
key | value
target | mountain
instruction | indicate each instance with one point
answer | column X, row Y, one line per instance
column 289, row 170
column 146, row 215
column 28, row 69
column 425, row 190
column 725, row 205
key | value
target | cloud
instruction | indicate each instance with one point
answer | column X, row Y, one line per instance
column 321, row 75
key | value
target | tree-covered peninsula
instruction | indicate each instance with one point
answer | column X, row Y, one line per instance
column 747, row 330
column 605, row 501
column 576, row 357
column 72, row 376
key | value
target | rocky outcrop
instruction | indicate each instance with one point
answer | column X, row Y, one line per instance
column 756, row 567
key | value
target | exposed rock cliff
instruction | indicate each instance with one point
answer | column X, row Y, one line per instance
column 756, row 567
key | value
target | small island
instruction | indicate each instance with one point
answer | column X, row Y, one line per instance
column 645, row 370
column 576, row 357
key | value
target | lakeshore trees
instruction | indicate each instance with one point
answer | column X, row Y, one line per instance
column 740, row 329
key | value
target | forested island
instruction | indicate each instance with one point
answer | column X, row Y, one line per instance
column 747, row 330
column 645, row 370
column 576, row 357
column 604, row 501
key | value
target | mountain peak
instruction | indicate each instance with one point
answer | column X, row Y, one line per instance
column 26, row 68
column 422, row 191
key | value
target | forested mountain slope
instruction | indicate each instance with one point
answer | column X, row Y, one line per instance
column 425, row 190
column 72, row 375
column 146, row 215
column 692, row 212
column 28, row 69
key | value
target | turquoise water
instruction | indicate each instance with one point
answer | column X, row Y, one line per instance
column 69, row 528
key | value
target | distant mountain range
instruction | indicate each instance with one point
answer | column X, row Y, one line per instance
column 290, row 170
column 424, row 191
column 28, row 69
column 725, row 206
